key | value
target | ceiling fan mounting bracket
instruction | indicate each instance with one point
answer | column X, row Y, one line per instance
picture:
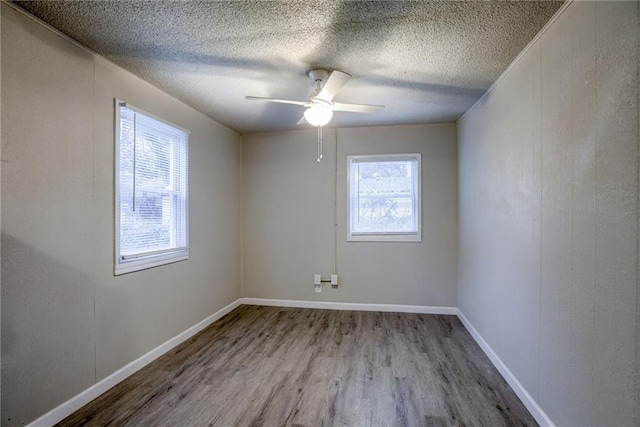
column 318, row 74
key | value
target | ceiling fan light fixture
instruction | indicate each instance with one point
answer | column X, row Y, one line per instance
column 318, row 114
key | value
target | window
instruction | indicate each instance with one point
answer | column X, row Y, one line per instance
column 384, row 198
column 151, row 191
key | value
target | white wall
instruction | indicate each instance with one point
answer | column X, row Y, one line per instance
column 67, row 322
column 548, row 264
column 288, row 218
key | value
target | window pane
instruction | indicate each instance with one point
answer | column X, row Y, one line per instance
column 148, row 228
column 384, row 214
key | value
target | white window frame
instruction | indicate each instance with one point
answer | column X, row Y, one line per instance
column 148, row 260
column 393, row 236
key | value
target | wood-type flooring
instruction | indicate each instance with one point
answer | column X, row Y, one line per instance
column 272, row 366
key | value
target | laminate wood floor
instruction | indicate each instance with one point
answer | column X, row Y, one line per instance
column 277, row 366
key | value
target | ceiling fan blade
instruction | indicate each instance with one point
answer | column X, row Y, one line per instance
column 335, row 82
column 280, row 101
column 302, row 121
column 357, row 108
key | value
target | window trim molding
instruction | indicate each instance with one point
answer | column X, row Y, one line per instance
column 152, row 260
column 414, row 237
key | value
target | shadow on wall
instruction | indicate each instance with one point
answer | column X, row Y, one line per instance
column 48, row 331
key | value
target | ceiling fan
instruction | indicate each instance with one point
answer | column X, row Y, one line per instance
column 320, row 106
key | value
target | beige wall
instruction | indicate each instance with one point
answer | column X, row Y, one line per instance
column 0, row 186
column 288, row 219
column 67, row 322
column 548, row 264
column 548, row 185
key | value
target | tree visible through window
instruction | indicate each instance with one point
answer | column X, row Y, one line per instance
column 384, row 196
column 151, row 182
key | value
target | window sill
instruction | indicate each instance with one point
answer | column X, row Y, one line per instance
column 408, row 238
column 149, row 262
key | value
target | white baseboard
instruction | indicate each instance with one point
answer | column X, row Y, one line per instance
column 541, row 417
column 423, row 309
column 62, row 411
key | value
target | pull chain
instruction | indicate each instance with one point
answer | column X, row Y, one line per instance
column 319, row 144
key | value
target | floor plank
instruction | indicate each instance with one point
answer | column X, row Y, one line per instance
column 277, row 366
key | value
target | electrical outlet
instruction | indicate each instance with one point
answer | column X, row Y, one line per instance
column 317, row 279
column 334, row 281
column 317, row 288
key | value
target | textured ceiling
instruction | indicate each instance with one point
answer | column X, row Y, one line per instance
column 425, row 61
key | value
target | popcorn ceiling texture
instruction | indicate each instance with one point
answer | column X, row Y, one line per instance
column 426, row 61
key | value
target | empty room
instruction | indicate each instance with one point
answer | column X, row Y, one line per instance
column 319, row 213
